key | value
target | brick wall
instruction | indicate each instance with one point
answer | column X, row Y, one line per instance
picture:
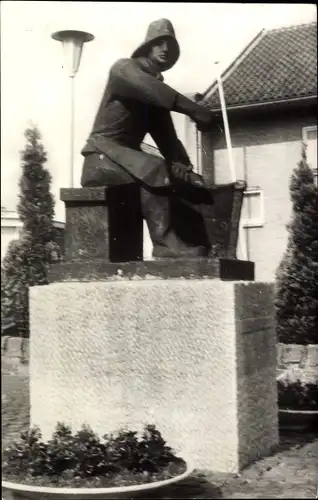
column 265, row 150
column 15, row 347
column 15, row 354
column 297, row 361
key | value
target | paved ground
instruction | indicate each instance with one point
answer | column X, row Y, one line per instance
column 292, row 472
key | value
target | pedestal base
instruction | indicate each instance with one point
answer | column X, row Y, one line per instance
column 99, row 270
column 197, row 358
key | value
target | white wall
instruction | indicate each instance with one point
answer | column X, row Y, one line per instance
column 265, row 155
column 10, row 229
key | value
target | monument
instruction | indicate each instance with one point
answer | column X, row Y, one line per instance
column 185, row 341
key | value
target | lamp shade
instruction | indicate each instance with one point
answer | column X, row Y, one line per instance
column 73, row 42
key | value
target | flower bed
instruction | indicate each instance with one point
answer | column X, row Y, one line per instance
column 298, row 406
column 83, row 460
column 297, row 395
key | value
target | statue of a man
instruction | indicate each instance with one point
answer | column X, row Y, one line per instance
column 136, row 101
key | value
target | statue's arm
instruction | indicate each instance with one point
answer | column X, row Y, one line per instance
column 128, row 80
column 183, row 156
column 163, row 132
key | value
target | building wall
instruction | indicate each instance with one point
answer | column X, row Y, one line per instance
column 8, row 234
column 11, row 227
column 265, row 152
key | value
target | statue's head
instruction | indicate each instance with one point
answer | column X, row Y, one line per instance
column 160, row 45
column 160, row 53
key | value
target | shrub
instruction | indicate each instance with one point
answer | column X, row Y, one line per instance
column 297, row 275
column 297, row 395
column 15, row 293
column 83, row 458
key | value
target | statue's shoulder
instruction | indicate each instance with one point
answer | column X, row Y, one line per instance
column 122, row 64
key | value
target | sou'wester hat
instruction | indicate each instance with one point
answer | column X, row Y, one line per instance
column 162, row 28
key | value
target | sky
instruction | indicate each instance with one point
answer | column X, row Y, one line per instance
column 36, row 89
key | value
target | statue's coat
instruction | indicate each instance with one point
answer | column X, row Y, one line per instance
column 136, row 102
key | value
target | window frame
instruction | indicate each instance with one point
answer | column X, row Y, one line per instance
column 310, row 128
column 256, row 221
column 305, row 139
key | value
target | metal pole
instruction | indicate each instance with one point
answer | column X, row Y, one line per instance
column 230, row 155
column 72, row 121
column 247, row 242
column 226, row 125
column 72, row 41
column 198, row 151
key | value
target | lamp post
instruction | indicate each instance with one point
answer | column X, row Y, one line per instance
column 73, row 42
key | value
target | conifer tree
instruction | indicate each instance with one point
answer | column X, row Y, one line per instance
column 297, row 275
column 27, row 259
column 36, row 203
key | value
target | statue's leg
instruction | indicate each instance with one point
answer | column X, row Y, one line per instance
column 161, row 213
column 186, row 216
column 98, row 171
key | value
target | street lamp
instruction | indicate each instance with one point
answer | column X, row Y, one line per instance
column 73, row 42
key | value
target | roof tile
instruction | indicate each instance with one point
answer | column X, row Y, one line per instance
column 281, row 65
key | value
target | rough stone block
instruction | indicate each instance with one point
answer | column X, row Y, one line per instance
column 166, row 352
column 279, row 354
column 25, row 350
column 4, row 343
column 13, row 347
column 103, row 223
column 292, row 354
column 297, row 361
column 312, row 355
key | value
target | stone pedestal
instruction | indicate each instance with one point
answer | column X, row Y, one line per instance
column 203, row 268
column 106, row 222
column 103, row 222
column 195, row 357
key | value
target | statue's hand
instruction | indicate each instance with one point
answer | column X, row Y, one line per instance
column 208, row 121
column 180, row 168
column 203, row 117
column 191, row 178
column 189, row 168
column 204, row 127
column 184, row 173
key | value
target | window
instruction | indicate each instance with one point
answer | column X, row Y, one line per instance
column 310, row 138
column 253, row 208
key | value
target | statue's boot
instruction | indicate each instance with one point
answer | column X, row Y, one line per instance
column 166, row 241
column 163, row 252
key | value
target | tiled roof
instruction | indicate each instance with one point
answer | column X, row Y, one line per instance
column 279, row 64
